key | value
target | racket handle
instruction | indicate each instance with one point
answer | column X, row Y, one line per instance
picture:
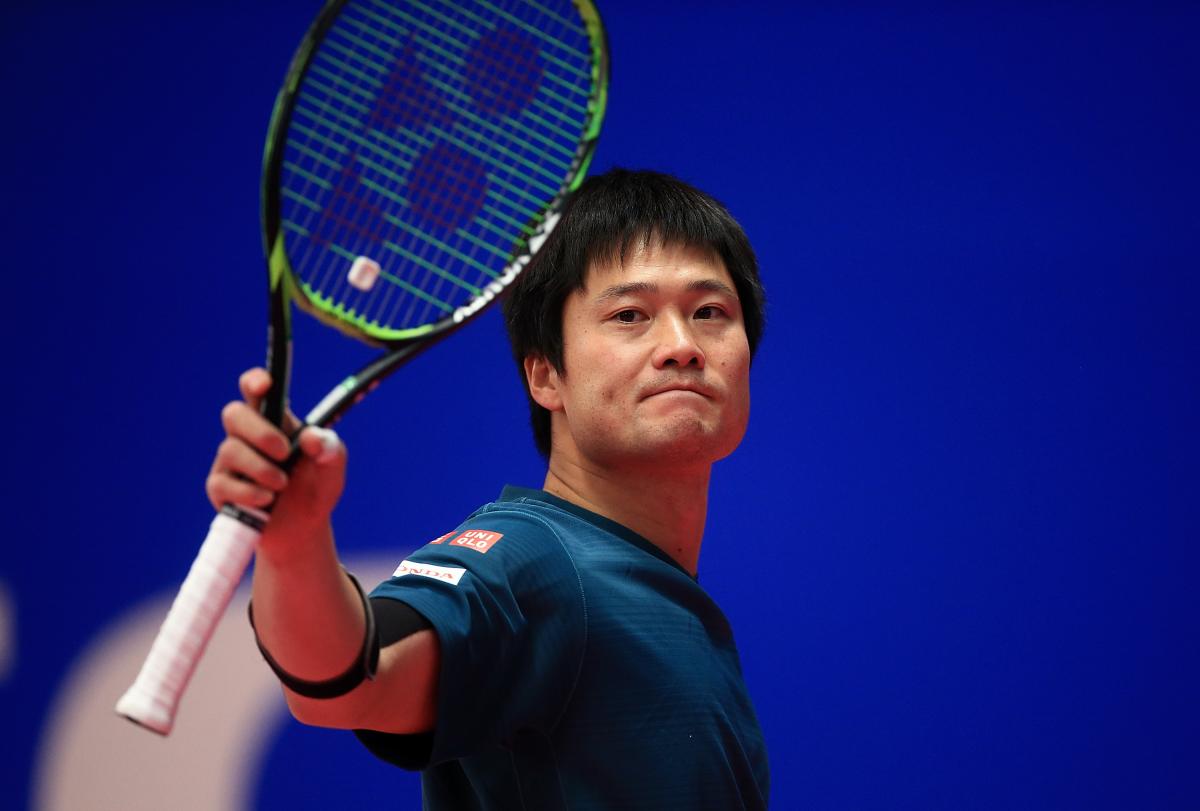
column 154, row 696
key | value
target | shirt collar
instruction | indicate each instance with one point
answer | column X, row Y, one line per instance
column 526, row 494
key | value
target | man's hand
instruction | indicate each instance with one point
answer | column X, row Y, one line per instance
column 246, row 469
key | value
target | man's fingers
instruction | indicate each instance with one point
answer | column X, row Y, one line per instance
column 224, row 488
column 242, row 461
column 242, row 421
column 321, row 445
column 254, row 385
column 241, row 475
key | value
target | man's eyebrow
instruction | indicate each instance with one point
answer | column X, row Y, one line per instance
column 712, row 286
column 619, row 290
column 699, row 285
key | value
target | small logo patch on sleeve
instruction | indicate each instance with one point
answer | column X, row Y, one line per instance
column 447, row 574
column 442, row 538
column 481, row 540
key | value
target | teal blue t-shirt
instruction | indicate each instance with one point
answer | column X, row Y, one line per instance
column 581, row 668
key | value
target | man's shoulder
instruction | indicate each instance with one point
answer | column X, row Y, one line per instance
column 505, row 550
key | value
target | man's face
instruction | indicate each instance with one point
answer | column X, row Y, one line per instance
column 656, row 362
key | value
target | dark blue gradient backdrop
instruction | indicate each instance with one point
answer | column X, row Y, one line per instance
column 958, row 545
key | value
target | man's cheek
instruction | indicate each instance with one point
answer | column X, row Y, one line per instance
column 608, row 395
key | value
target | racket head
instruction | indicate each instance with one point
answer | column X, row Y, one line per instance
column 432, row 143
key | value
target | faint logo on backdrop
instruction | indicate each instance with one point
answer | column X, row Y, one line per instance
column 88, row 757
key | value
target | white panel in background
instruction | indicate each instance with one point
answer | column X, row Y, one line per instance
column 91, row 758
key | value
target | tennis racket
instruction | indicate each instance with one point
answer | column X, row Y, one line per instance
column 418, row 154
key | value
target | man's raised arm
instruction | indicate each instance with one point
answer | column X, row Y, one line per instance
column 310, row 617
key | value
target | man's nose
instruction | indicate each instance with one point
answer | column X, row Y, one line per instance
column 677, row 344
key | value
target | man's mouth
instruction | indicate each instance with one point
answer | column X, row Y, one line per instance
column 693, row 388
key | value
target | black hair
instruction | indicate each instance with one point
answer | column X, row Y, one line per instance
column 606, row 217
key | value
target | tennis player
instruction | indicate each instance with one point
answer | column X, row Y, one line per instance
column 554, row 649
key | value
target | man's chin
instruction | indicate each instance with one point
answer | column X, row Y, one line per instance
column 686, row 441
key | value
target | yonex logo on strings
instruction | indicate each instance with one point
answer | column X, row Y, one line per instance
column 446, row 176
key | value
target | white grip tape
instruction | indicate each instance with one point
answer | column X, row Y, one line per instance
column 202, row 599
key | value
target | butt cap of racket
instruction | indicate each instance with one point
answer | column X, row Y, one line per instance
column 141, row 708
column 363, row 273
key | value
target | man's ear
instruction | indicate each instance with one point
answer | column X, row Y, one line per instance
column 543, row 378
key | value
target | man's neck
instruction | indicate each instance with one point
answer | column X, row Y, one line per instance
column 667, row 510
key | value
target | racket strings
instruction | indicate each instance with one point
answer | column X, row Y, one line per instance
column 430, row 138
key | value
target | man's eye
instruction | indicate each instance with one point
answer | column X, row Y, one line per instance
column 627, row 316
column 708, row 312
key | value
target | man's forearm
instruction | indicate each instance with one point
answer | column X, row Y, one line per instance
column 310, row 619
column 307, row 613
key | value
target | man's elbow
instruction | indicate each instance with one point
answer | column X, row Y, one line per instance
column 343, row 712
column 401, row 699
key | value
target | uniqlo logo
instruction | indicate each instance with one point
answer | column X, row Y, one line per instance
column 481, row 540
column 442, row 538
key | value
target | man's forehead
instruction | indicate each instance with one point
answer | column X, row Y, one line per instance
column 646, row 260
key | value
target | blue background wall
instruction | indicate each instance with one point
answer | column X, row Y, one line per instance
column 959, row 543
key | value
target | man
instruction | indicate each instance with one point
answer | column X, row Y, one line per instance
column 554, row 650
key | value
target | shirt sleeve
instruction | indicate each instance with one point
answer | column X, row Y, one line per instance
column 505, row 600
